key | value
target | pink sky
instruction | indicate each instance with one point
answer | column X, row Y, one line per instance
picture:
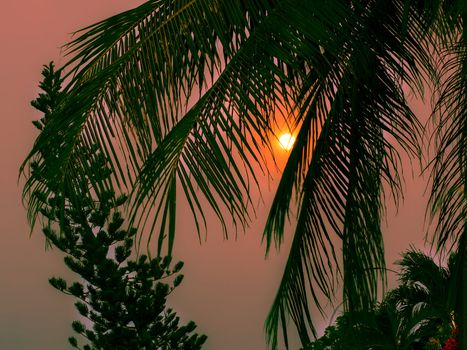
column 228, row 285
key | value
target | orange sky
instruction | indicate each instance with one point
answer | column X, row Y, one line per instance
column 228, row 286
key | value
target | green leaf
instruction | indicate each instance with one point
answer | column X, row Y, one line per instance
column 73, row 342
column 78, row 327
column 58, row 283
column 178, row 266
column 178, row 280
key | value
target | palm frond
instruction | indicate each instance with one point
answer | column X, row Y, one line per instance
column 448, row 199
column 132, row 77
column 415, row 266
column 341, row 195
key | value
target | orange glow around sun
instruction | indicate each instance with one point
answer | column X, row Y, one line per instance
column 286, row 141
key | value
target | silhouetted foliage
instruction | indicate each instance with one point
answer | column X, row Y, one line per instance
column 414, row 316
column 183, row 96
column 123, row 297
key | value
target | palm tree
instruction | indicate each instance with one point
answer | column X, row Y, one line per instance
column 419, row 308
column 409, row 315
column 183, row 98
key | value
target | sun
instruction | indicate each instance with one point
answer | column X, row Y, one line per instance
column 286, row 140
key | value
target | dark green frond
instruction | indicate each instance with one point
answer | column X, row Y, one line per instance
column 340, row 198
column 133, row 78
column 448, row 200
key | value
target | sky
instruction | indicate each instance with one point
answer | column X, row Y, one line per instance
column 228, row 286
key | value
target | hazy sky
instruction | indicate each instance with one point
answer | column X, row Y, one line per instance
column 228, row 286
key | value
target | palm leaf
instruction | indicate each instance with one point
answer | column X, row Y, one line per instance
column 448, row 199
column 341, row 195
column 131, row 83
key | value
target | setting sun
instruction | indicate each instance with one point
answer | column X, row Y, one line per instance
column 286, row 141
